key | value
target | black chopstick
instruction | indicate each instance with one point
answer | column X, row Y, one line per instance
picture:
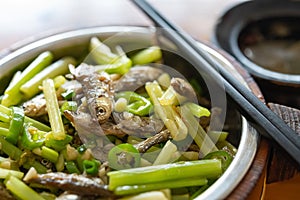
column 268, row 122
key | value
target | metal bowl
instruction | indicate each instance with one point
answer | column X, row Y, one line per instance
column 75, row 43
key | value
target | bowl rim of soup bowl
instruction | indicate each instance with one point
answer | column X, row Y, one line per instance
column 249, row 140
column 233, row 22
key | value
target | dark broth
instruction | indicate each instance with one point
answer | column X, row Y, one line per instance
column 273, row 43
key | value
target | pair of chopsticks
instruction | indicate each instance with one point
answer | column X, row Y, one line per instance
column 267, row 122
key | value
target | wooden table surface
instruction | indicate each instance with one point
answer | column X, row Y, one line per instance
column 21, row 21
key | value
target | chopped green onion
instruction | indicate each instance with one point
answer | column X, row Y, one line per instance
column 81, row 149
column 91, row 166
column 69, row 105
column 68, row 94
column 71, row 167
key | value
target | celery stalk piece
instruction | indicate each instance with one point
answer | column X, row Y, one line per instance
column 55, row 118
column 181, row 170
column 121, row 64
column 166, row 113
column 37, row 124
column 31, row 87
column 14, row 79
column 200, row 137
column 12, row 95
column 101, row 53
column 217, row 136
column 178, row 183
column 5, row 173
column 169, row 97
column 20, row 189
column 4, row 117
column 5, row 110
column 11, row 150
column 49, row 154
column 165, row 155
column 148, row 55
column 4, row 131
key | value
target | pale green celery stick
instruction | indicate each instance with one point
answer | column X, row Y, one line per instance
column 14, row 79
column 7, row 113
column 21, row 190
column 12, row 95
column 200, row 137
column 217, row 136
column 178, row 183
column 165, row 155
column 4, row 117
column 52, row 106
column 49, row 154
column 166, row 113
column 60, row 67
column 120, row 65
column 101, row 53
column 37, row 124
column 11, row 150
column 145, row 56
column 4, row 124
column 4, row 173
column 174, row 171
column 169, row 97
column 4, row 131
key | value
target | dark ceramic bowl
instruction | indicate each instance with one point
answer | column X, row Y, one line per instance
column 263, row 36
